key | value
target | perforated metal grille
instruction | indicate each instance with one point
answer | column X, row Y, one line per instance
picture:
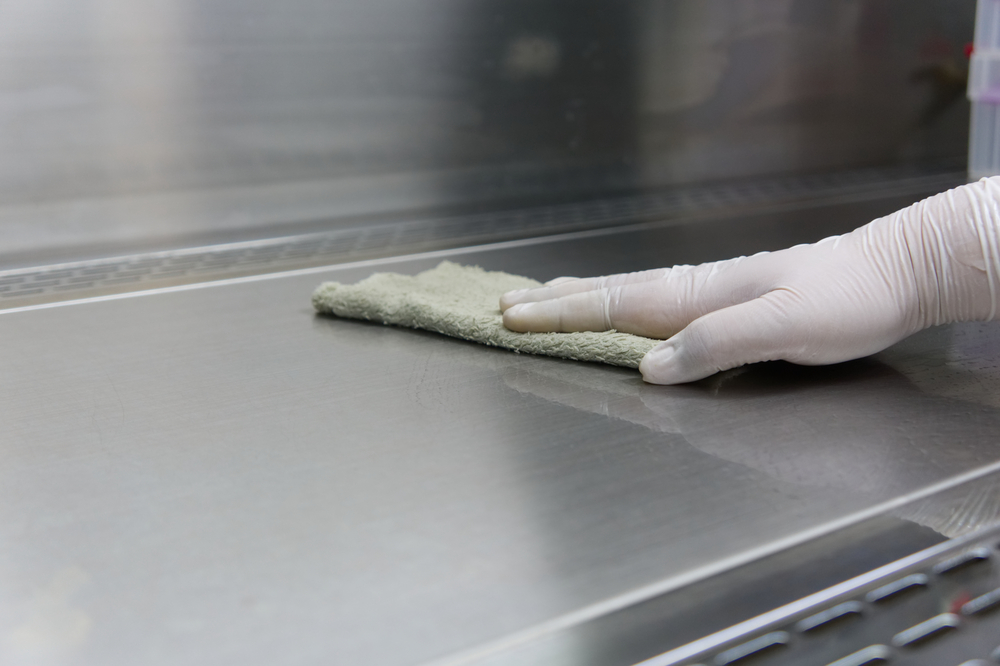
column 941, row 608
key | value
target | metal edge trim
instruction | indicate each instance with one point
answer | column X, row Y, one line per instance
column 838, row 198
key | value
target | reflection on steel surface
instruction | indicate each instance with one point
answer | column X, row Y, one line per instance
column 239, row 480
column 132, row 122
column 820, row 424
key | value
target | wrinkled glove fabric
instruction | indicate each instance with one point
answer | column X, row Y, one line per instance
column 844, row 297
column 462, row 302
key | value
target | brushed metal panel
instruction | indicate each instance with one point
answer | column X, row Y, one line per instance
column 215, row 475
column 33, row 283
column 185, row 122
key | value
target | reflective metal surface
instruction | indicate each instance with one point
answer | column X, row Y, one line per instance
column 734, row 606
column 33, row 284
column 131, row 127
column 216, row 475
column 933, row 607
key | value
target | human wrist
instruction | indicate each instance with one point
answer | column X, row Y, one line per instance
column 952, row 243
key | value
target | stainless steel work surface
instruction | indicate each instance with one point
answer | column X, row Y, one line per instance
column 217, row 476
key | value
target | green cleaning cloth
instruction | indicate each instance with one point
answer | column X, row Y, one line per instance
column 463, row 302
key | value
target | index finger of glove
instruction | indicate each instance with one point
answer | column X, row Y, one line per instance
column 568, row 286
column 642, row 308
column 657, row 307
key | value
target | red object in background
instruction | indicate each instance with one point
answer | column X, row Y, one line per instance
column 959, row 601
column 969, row 48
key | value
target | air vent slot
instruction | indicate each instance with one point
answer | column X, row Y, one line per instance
column 956, row 564
column 757, row 647
column 870, row 656
column 894, row 589
column 925, row 631
column 834, row 617
column 983, row 604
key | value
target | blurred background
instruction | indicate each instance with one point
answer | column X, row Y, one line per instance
column 134, row 127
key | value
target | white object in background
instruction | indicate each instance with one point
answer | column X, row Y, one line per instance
column 984, row 92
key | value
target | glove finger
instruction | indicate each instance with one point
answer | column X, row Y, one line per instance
column 657, row 307
column 750, row 332
column 653, row 309
column 561, row 287
column 560, row 280
column 586, row 311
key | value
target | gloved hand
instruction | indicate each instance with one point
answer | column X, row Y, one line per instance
column 845, row 297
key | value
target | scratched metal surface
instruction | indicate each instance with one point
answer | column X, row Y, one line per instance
column 216, row 476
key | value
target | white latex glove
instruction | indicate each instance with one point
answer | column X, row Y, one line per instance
column 845, row 297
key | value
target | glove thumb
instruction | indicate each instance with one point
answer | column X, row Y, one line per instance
column 757, row 330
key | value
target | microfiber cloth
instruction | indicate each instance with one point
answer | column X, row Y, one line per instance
column 463, row 302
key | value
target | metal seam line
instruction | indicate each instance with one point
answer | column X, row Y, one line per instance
column 486, row 247
column 865, row 191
